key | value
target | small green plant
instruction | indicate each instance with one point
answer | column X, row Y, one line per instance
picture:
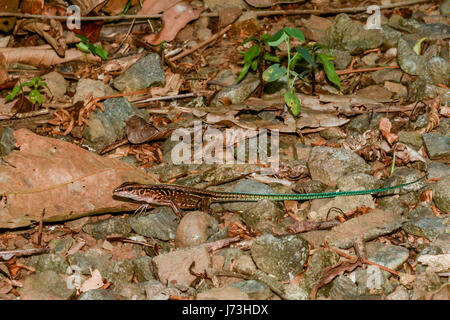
column 256, row 55
column 35, row 96
column 86, row 46
column 303, row 59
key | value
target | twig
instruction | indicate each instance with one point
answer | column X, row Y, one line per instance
column 219, row 244
column 23, row 114
column 177, row 96
column 204, row 43
column 340, row 72
column 114, row 146
column 21, row 252
column 348, row 256
column 259, row 13
column 41, row 226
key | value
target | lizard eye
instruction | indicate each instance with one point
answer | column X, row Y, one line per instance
column 129, row 189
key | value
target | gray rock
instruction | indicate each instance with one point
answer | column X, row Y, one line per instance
column 310, row 186
column 327, row 164
column 320, row 260
column 443, row 242
column 90, row 259
column 245, row 265
column 254, row 289
column 49, row 261
column 438, row 71
column 409, row 61
column 404, row 175
column 146, row 72
column 46, row 285
column 383, row 75
column 357, row 181
column 437, row 146
column 195, row 228
column 393, row 204
column 107, row 127
column 226, row 77
column 400, row 293
column 7, row 141
column 429, row 228
column 131, row 291
column 223, row 293
column 61, row 246
column 247, row 186
column 364, row 122
column 120, row 271
column 283, row 257
column 441, row 194
column 411, row 138
column 98, row 294
column 371, row 281
column 161, row 224
column 104, row 228
column 425, row 283
column 237, row 93
column 444, row 127
column 347, row 35
column 389, row 256
column 87, row 86
column 423, row 210
column 365, row 227
column 370, row 59
column 445, row 8
column 342, row 58
column 263, row 216
column 438, row 170
column 143, row 268
column 343, row 289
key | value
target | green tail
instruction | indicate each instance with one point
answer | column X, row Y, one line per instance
column 311, row 196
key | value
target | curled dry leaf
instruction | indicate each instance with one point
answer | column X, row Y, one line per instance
column 174, row 19
column 445, row 111
column 385, row 128
column 52, row 32
column 94, row 282
column 3, row 72
column 140, row 131
column 64, row 179
column 433, row 114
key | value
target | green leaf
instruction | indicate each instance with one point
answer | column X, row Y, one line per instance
column 15, row 91
column 243, row 72
column 273, row 73
column 35, row 96
column 82, row 47
column 418, row 46
column 306, row 55
column 270, row 57
column 27, row 84
column 252, row 53
column 252, row 38
column 82, row 38
column 102, row 53
column 293, row 102
column 275, row 43
column 295, row 33
column 255, row 65
column 328, row 67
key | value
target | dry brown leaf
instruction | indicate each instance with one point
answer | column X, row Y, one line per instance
column 140, row 131
column 174, row 19
column 385, row 128
column 44, row 56
column 87, row 6
column 443, row 293
column 156, row 6
column 445, row 111
column 3, row 72
column 62, row 178
column 51, row 31
column 328, row 274
column 7, row 23
column 94, row 282
column 114, row 7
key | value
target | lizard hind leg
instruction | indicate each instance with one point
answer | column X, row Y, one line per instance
column 175, row 209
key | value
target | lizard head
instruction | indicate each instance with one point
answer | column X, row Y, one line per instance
column 130, row 190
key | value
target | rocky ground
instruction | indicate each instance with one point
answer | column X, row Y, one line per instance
column 394, row 245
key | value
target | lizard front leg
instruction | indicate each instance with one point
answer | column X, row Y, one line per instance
column 175, row 209
column 205, row 205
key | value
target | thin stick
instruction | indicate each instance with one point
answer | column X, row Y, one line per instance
column 204, row 43
column 22, row 252
column 339, row 72
column 259, row 13
column 177, row 96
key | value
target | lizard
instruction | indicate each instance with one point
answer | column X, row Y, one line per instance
column 180, row 197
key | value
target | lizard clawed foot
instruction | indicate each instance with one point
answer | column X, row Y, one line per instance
column 141, row 210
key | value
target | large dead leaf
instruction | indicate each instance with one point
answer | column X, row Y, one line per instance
column 156, row 6
column 62, row 178
column 44, row 56
column 174, row 19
